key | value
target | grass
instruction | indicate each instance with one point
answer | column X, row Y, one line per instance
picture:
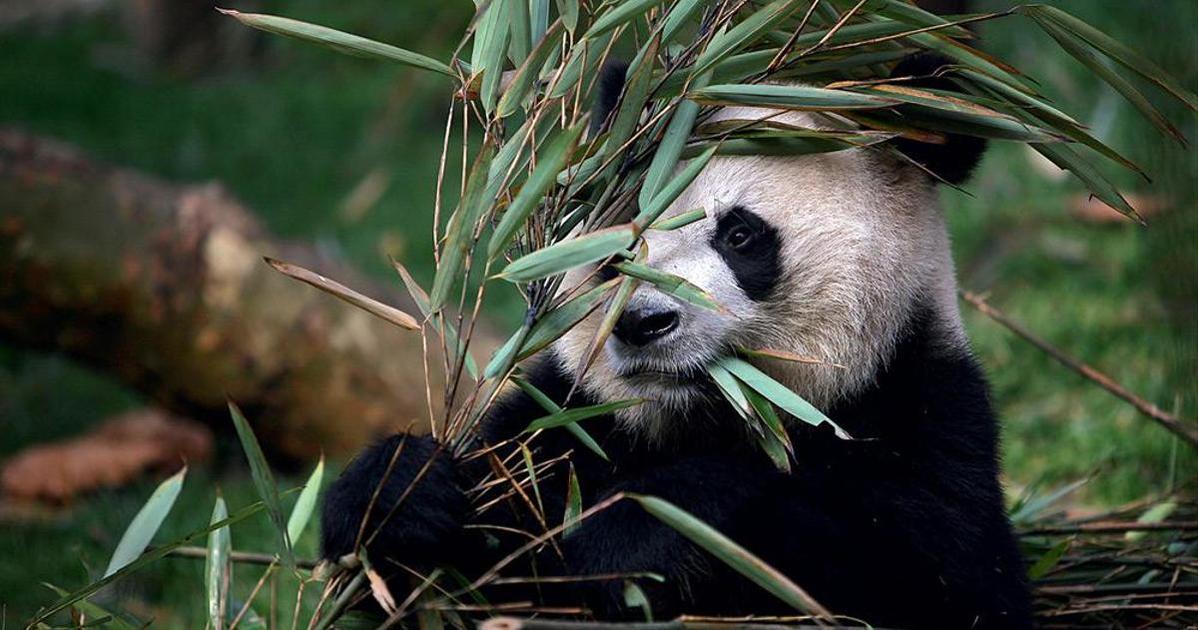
column 294, row 136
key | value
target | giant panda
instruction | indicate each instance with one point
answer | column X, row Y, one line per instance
column 840, row 256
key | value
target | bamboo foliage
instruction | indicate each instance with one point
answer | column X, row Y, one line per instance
column 544, row 190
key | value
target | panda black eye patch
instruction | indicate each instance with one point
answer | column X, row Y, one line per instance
column 750, row 247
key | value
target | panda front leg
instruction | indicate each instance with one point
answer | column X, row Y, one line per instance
column 625, row 539
column 401, row 498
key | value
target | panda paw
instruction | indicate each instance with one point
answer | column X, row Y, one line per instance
column 421, row 529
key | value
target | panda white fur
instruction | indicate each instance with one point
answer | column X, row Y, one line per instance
column 843, row 257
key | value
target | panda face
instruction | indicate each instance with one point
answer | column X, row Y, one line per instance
column 823, row 256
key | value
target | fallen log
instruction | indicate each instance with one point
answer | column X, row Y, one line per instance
column 164, row 286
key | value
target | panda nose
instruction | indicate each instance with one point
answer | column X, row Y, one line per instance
column 641, row 326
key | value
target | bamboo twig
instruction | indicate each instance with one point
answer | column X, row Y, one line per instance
column 1111, row 527
column 1186, row 431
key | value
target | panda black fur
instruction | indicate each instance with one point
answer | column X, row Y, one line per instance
column 903, row 526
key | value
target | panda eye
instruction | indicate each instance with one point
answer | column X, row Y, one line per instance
column 740, row 238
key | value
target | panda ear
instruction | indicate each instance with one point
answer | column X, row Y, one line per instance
column 954, row 160
column 611, row 84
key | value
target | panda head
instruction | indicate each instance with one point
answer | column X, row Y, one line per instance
column 825, row 256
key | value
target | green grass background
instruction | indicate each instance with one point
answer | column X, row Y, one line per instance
column 295, row 133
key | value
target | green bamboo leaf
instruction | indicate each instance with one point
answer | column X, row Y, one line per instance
column 584, row 59
column 578, row 414
column 915, row 16
column 620, row 14
column 306, row 503
column 217, row 566
column 1118, row 51
column 505, row 357
column 568, row 10
column 555, row 323
column 634, row 598
column 547, row 404
column 145, row 524
column 778, row 393
column 264, row 481
column 490, row 41
column 774, row 439
column 570, row 253
column 520, row 37
column 551, row 160
column 573, row 504
column 665, row 159
column 681, row 12
column 459, row 233
column 731, row 389
column 538, row 18
column 1076, row 47
column 736, row 557
column 635, row 94
column 94, row 611
column 954, row 114
column 1155, row 514
column 338, row 40
column 679, row 220
column 444, row 328
column 1067, row 158
column 612, row 315
column 1050, row 559
column 152, row 555
column 1061, row 122
column 670, row 284
column 744, row 33
column 662, row 200
column 796, row 97
column 526, row 75
column 531, row 469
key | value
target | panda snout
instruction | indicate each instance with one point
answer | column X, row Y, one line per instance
column 643, row 324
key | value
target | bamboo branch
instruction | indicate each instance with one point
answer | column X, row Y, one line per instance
column 1111, row 527
column 1186, row 431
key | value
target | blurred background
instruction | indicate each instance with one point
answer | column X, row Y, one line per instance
column 152, row 150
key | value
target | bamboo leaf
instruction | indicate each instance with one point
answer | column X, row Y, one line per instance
column 731, row 389
column 662, row 200
column 681, row 12
column 94, row 611
column 778, row 394
column 505, row 357
column 548, row 405
column 337, row 40
column 1154, row 514
column 1067, row 158
column 1046, row 562
column 552, row 160
column 520, row 37
column 635, row 94
column 152, row 555
column 620, row 14
column 526, row 75
column 571, row 253
column 306, row 503
column 578, row 414
column 670, row 284
column 264, row 481
column 568, row 10
column 1117, row 51
column 744, row 33
column 573, row 504
column 727, row 551
column 555, row 323
column 614, row 309
column 795, row 97
column 583, row 60
column 370, row 305
column 665, row 159
column 459, row 233
column 146, row 523
column 217, row 566
column 1077, row 48
column 679, row 220
column 444, row 328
